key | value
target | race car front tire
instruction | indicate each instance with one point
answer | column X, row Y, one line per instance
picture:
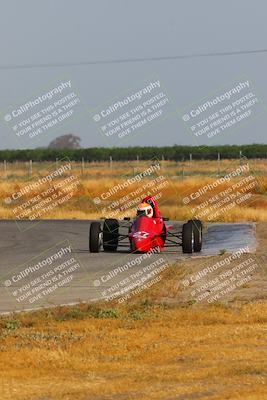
column 95, row 237
column 110, row 234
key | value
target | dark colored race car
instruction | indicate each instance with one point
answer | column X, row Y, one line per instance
column 144, row 233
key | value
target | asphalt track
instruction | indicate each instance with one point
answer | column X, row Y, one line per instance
column 47, row 263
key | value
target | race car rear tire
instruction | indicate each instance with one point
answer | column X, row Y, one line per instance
column 192, row 236
column 110, row 234
column 197, row 229
column 188, row 237
column 95, row 237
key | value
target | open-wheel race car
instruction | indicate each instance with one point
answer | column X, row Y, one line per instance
column 143, row 234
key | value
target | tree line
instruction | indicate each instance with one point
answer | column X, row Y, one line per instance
column 172, row 153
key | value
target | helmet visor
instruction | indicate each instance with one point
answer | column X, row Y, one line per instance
column 141, row 212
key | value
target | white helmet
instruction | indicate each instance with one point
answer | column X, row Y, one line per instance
column 145, row 209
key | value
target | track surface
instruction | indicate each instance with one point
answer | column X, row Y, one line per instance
column 25, row 246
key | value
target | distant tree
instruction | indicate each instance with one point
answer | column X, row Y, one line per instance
column 71, row 149
column 65, row 142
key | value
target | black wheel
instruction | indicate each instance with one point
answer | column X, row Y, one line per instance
column 132, row 248
column 192, row 236
column 197, row 229
column 95, row 237
column 110, row 234
column 188, row 237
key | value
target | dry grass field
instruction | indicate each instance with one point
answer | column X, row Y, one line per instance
column 142, row 351
column 182, row 179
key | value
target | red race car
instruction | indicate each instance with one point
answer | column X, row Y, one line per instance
column 146, row 232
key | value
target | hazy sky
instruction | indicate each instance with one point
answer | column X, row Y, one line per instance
column 35, row 32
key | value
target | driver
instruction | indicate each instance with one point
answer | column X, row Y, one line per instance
column 144, row 209
column 153, row 203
